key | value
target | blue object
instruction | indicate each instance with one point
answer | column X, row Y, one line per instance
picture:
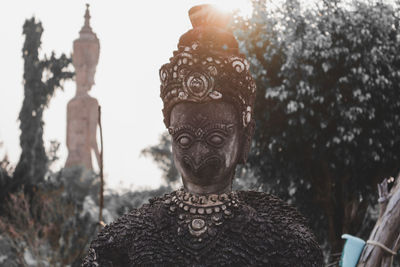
column 351, row 251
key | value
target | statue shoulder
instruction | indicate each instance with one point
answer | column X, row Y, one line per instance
column 131, row 223
column 108, row 247
column 271, row 206
column 283, row 226
column 79, row 100
column 93, row 100
column 111, row 246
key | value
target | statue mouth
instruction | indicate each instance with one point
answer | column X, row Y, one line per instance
column 206, row 167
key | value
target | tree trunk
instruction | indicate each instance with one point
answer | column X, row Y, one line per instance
column 386, row 230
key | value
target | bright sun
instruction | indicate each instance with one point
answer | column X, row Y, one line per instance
column 243, row 7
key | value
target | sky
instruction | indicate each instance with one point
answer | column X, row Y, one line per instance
column 136, row 38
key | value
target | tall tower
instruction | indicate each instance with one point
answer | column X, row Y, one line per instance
column 82, row 110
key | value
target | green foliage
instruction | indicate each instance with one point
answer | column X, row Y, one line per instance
column 327, row 108
column 41, row 78
column 47, row 228
column 6, row 171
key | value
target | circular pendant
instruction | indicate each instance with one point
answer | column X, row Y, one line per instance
column 198, row 224
column 197, row 227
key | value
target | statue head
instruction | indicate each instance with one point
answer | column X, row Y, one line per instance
column 208, row 95
column 85, row 55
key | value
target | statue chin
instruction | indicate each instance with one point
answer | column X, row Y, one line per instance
column 207, row 172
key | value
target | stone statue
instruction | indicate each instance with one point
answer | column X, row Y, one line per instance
column 82, row 110
column 208, row 95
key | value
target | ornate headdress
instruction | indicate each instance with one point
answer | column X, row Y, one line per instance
column 208, row 66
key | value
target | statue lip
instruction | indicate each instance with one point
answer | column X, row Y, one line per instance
column 203, row 163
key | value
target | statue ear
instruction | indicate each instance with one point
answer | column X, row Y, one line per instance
column 246, row 142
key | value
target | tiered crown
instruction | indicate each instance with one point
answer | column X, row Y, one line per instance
column 208, row 66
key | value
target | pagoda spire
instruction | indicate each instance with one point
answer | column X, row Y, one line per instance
column 87, row 16
column 86, row 28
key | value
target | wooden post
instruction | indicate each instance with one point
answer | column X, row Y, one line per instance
column 101, row 193
column 384, row 241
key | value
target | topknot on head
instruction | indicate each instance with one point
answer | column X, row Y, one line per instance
column 209, row 16
column 211, row 31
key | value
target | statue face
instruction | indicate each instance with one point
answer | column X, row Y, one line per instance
column 84, row 59
column 206, row 138
column 85, row 76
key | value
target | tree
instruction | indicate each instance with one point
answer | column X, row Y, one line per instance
column 162, row 156
column 327, row 108
column 6, row 170
column 38, row 91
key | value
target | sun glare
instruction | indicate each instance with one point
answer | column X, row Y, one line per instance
column 243, row 7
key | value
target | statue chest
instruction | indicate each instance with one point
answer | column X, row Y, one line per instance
column 193, row 235
column 184, row 245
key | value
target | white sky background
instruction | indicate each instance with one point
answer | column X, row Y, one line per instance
column 136, row 38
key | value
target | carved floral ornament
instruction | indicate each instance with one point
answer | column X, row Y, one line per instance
column 202, row 77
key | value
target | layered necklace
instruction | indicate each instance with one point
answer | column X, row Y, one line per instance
column 199, row 216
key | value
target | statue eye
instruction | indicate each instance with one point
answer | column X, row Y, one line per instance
column 215, row 139
column 184, row 140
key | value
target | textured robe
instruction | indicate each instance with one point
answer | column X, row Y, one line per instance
column 261, row 231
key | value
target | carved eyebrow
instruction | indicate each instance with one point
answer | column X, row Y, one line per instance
column 228, row 128
column 220, row 126
column 174, row 130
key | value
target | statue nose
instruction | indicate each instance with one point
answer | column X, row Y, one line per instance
column 199, row 151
